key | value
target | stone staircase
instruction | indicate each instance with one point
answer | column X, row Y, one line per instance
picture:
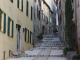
column 48, row 42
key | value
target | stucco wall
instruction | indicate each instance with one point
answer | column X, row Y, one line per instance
column 7, row 43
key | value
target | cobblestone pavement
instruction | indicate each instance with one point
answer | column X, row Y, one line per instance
column 50, row 49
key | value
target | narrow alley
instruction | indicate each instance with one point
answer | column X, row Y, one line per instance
column 50, row 49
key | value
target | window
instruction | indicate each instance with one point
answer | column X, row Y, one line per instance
column 11, row 1
column 31, row 12
column 39, row 15
column 2, row 21
column 20, row 4
column 34, row 12
column 47, row 20
column 27, row 8
column 10, row 27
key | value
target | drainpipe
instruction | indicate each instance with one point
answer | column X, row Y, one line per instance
column 75, row 17
column 33, row 25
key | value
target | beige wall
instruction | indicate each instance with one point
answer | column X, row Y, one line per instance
column 7, row 43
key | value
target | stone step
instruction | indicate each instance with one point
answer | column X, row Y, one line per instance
column 48, row 48
column 45, row 56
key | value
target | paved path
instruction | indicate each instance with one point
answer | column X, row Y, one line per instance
column 50, row 49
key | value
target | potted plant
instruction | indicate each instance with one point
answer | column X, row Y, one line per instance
column 40, row 37
column 66, row 49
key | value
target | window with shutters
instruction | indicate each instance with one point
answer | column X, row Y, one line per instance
column 2, row 21
column 27, row 8
column 11, row 1
column 20, row 4
column 26, row 35
column 10, row 27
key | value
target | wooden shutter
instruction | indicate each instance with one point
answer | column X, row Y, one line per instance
column 0, row 18
column 27, row 8
column 12, row 28
column 8, row 26
column 25, row 34
column 31, row 12
column 4, row 30
column 22, row 5
column 17, row 3
column 28, row 35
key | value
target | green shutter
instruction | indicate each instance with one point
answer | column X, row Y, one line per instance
column 0, row 18
column 4, row 30
column 28, row 36
column 27, row 8
column 22, row 5
column 17, row 3
column 12, row 28
column 8, row 26
column 25, row 34
column 31, row 12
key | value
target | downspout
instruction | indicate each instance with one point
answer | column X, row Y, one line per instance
column 75, row 17
column 33, row 25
